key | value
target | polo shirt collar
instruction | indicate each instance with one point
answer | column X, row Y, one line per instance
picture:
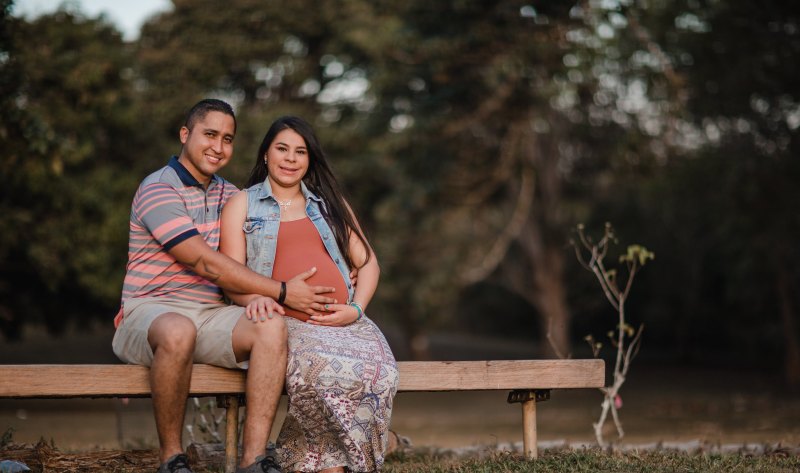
column 185, row 176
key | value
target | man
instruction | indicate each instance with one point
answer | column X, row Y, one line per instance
column 172, row 309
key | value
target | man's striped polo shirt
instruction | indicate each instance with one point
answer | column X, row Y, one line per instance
column 169, row 207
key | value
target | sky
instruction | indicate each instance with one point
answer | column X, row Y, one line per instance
column 128, row 15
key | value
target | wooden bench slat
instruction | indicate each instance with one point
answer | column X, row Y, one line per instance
column 507, row 374
column 71, row 381
column 65, row 381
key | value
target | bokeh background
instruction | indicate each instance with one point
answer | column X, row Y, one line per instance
column 472, row 138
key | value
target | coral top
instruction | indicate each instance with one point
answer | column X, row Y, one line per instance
column 299, row 249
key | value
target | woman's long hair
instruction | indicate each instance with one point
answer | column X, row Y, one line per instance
column 319, row 179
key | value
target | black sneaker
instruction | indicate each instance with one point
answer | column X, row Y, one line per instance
column 263, row 464
column 176, row 464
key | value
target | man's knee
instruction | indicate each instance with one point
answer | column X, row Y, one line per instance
column 271, row 333
column 268, row 337
column 272, row 330
column 172, row 333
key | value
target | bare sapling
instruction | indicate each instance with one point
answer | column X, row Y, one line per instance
column 625, row 339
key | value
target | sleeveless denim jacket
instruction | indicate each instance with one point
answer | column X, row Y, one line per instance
column 261, row 230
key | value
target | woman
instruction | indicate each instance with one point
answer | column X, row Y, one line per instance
column 341, row 376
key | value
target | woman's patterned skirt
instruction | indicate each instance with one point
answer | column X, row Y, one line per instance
column 341, row 383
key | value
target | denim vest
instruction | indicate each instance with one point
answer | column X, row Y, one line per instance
column 261, row 230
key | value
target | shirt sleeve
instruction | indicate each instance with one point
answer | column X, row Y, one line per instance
column 161, row 210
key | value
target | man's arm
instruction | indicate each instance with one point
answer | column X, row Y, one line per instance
column 228, row 274
column 159, row 209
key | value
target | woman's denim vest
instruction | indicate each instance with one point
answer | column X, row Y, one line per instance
column 261, row 230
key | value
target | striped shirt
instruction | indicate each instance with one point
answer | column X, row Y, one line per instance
column 169, row 207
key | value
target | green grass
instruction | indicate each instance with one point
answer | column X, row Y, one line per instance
column 770, row 460
column 596, row 460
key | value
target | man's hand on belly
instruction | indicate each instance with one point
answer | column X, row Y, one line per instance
column 305, row 298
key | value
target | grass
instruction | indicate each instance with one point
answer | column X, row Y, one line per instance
column 561, row 462
column 596, row 460
column 47, row 457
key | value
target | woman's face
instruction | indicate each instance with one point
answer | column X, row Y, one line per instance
column 287, row 159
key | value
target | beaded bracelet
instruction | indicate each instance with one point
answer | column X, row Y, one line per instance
column 359, row 309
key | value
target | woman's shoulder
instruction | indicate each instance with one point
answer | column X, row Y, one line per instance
column 236, row 203
column 255, row 188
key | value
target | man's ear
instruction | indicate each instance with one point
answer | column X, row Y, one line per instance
column 184, row 135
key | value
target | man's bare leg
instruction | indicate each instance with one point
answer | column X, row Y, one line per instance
column 172, row 338
column 264, row 344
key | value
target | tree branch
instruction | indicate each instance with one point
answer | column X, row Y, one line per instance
column 515, row 224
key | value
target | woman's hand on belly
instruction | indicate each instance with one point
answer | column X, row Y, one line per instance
column 339, row 316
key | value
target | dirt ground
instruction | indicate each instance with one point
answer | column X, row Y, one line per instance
column 661, row 403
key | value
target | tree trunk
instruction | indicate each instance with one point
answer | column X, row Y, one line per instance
column 790, row 334
column 546, row 291
column 415, row 336
column 543, row 245
column 552, row 303
column 537, row 226
column 544, row 241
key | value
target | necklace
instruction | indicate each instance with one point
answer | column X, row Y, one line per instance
column 284, row 204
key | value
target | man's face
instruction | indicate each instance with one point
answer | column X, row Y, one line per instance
column 208, row 146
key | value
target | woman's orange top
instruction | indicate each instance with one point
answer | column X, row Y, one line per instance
column 299, row 249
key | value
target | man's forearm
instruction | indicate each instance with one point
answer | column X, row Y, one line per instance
column 233, row 276
column 240, row 299
column 222, row 270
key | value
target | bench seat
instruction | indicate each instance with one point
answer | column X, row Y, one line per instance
column 527, row 380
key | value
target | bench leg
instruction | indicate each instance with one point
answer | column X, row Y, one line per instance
column 529, row 429
column 528, row 399
column 231, row 404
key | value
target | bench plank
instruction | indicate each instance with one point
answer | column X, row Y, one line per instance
column 71, row 381
column 68, row 381
column 505, row 375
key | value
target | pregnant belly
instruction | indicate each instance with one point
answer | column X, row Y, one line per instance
column 327, row 275
column 299, row 249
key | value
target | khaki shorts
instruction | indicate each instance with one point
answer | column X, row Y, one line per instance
column 214, row 322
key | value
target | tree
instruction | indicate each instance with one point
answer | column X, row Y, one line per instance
column 66, row 134
column 616, row 288
column 735, row 161
column 499, row 125
column 266, row 59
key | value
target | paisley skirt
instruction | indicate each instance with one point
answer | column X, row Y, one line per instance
column 341, row 383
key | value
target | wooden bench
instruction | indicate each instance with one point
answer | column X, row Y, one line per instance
column 528, row 381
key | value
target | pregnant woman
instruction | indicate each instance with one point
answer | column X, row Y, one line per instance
column 341, row 376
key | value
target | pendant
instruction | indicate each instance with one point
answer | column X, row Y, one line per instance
column 284, row 205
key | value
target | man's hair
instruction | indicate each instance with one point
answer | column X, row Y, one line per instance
column 201, row 109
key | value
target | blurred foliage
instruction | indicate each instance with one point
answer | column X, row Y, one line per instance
column 471, row 136
column 67, row 141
